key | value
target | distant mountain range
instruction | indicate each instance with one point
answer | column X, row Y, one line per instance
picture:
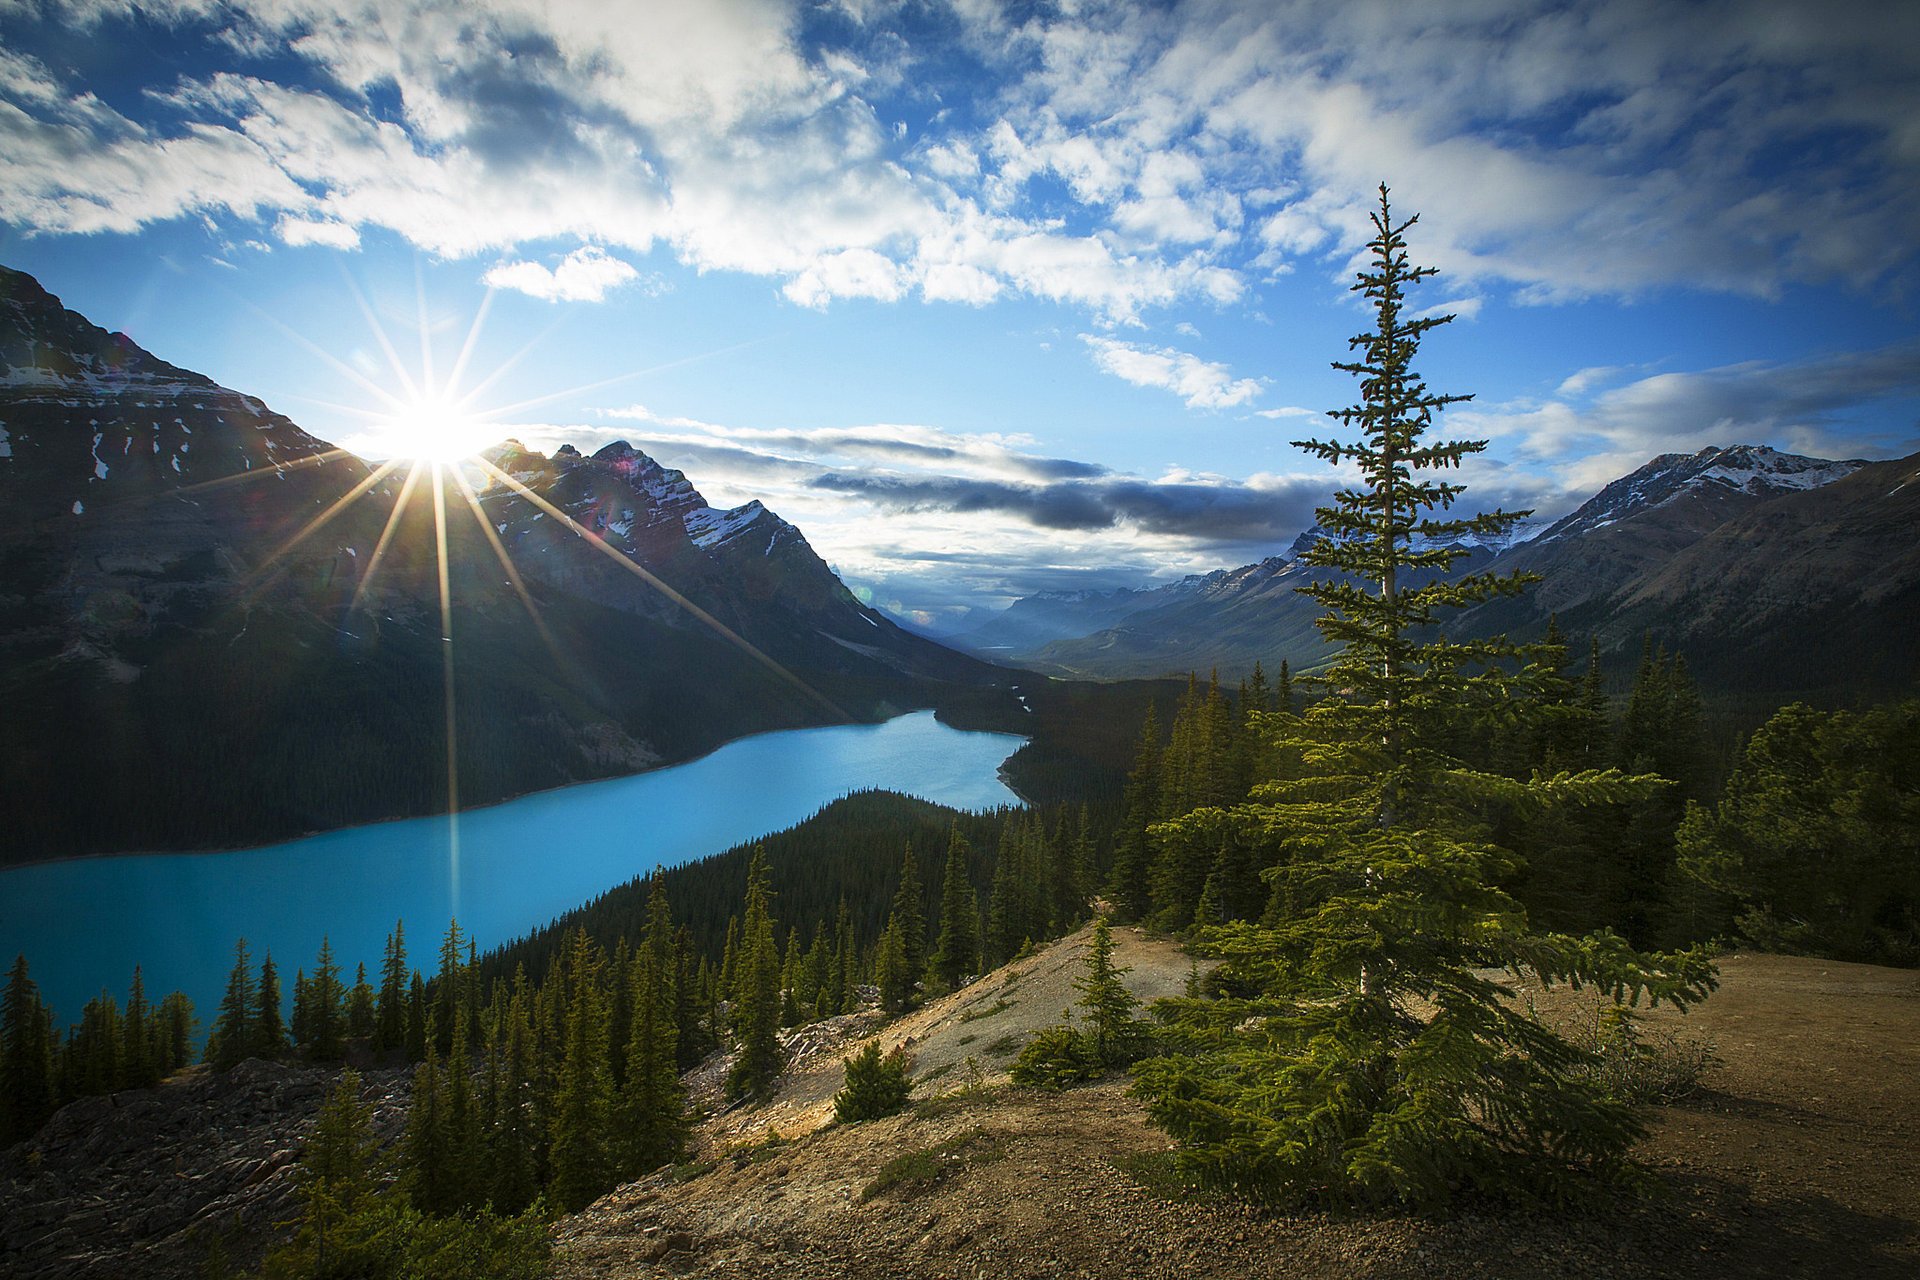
column 1777, row 575
column 195, row 650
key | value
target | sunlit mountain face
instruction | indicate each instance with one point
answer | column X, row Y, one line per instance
column 235, row 630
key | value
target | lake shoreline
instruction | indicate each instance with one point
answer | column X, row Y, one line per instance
column 496, row 802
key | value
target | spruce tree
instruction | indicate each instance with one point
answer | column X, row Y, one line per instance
column 327, row 1042
column 582, row 1155
column 756, row 991
column 27, row 1089
column 1113, row 1034
column 910, row 916
column 1133, row 853
column 390, row 1009
column 137, row 1067
column 1362, row 1054
column 269, row 1031
column 653, row 1104
column 337, row 1182
column 232, row 1038
column 361, row 1018
column 957, row 953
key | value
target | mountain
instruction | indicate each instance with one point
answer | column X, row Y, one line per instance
column 197, row 650
column 1763, row 566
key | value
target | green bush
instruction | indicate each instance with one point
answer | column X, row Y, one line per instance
column 877, row 1085
column 1058, row 1058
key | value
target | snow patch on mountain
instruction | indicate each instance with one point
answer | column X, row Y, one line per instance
column 709, row 527
column 1755, row 470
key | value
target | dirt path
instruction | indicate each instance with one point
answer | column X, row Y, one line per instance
column 1800, row 1158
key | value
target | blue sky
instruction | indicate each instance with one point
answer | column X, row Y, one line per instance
column 992, row 298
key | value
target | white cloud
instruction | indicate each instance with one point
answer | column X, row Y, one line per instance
column 298, row 231
column 1286, row 411
column 1092, row 154
column 585, row 275
column 1203, row 384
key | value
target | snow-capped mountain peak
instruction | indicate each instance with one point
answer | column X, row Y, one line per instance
column 1714, row 475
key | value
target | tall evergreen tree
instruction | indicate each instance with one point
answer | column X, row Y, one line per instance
column 1133, row 849
column 27, row 1089
column 390, row 1009
column 653, row 1104
column 232, row 1037
column 327, row 1042
column 957, row 952
column 361, row 1017
column 137, row 1067
column 338, row 1180
column 582, row 1154
column 269, row 1031
column 756, row 991
column 910, row 915
column 1363, row 1055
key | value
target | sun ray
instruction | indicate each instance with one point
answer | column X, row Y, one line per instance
column 315, row 349
column 620, row 377
column 386, row 344
column 312, row 526
column 427, row 381
column 503, row 367
column 718, row 627
column 446, row 681
column 261, row 473
column 467, row 348
column 386, row 536
column 506, row 563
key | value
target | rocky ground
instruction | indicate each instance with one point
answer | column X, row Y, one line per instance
column 159, row 1182
column 1799, row 1155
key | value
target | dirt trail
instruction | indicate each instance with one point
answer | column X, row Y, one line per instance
column 1801, row 1157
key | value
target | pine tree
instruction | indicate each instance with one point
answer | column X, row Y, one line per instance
column 909, row 914
column 338, row 1180
column 326, row 996
column 361, row 1018
column 756, row 991
column 513, row 1133
column 653, row 1104
column 269, row 1032
column 416, row 1020
column 174, row 1030
column 1363, row 1056
column 447, row 984
column 232, row 1038
column 957, row 952
column 427, row 1150
column 27, row 1088
column 1112, row 1032
column 582, row 1155
column 390, row 1010
column 1133, row 853
column 891, row 972
column 137, row 1066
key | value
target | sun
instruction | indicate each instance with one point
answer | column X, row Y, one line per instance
column 427, row 428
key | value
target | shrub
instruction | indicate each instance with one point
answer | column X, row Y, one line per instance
column 1057, row 1058
column 877, row 1085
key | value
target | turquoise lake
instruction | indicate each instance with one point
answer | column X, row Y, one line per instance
column 84, row 924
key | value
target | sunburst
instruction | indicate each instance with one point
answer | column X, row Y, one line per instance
column 431, row 434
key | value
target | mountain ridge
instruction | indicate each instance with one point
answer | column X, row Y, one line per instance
column 1636, row 559
column 188, row 577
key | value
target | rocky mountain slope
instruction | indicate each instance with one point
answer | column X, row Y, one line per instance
column 196, row 649
column 1778, row 575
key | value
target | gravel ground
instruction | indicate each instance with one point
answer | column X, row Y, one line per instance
column 1800, row 1156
